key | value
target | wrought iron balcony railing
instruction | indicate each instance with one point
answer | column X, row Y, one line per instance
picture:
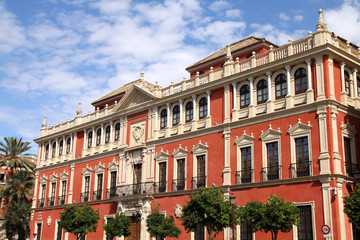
column 301, row 169
column 136, row 188
column 351, row 169
column 51, row 201
column 179, row 184
column 198, row 182
column 41, row 202
column 111, row 192
column 160, row 186
column 244, row 176
column 97, row 194
column 85, row 197
column 271, row 173
column 61, row 200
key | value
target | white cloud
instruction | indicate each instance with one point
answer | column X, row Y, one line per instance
column 233, row 13
column 344, row 21
column 298, row 18
column 219, row 5
column 11, row 33
column 284, row 17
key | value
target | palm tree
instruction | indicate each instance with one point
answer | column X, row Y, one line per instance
column 18, row 188
column 16, row 218
column 13, row 155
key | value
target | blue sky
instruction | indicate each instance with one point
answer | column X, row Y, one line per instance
column 56, row 53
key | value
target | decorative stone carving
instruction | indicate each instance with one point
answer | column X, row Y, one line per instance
column 48, row 220
column 178, row 211
column 137, row 133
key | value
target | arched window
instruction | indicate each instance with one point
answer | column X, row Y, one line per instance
column 262, row 91
column 244, row 96
column 203, row 107
column 117, row 131
column 53, row 149
column 163, row 118
column 68, row 142
column 90, row 136
column 98, row 137
column 280, row 86
column 301, row 83
column 347, row 83
column 358, row 86
column 61, row 147
column 176, row 115
column 189, row 111
column 107, row 134
column 47, row 151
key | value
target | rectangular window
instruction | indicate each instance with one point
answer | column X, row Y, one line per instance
column 113, row 184
column 38, row 237
column 2, row 178
column 305, row 230
column 162, row 177
column 137, row 179
column 200, row 232
column 180, row 185
column 43, row 192
column 245, row 230
column 201, row 176
column 87, row 189
column 246, row 165
column 99, row 186
column 52, row 198
column 272, row 161
column 302, row 157
column 350, row 167
column 59, row 231
column 63, row 192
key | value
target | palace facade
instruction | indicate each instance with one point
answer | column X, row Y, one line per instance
column 254, row 118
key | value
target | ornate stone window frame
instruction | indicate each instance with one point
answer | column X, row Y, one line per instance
column 179, row 153
column 64, row 176
column 43, row 181
column 297, row 131
column 160, row 158
column 198, row 150
column 242, row 142
column 348, row 131
column 113, row 167
column 271, row 136
column 53, row 179
column 99, row 169
column 313, row 222
column 87, row 171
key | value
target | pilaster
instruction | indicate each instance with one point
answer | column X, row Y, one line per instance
column 325, row 182
column 324, row 156
column 320, row 78
column 335, row 142
column 331, row 77
column 227, row 169
column 71, row 185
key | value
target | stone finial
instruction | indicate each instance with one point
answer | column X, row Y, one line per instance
column 43, row 125
column 142, row 75
column 228, row 54
column 321, row 26
column 78, row 111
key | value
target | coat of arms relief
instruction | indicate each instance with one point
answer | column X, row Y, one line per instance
column 137, row 133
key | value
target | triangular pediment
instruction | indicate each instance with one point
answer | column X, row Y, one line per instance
column 99, row 168
column 86, row 171
column 180, row 152
column 348, row 129
column 53, row 178
column 134, row 96
column 112, row 166
column 64, row 175
column 244, row 140
column 200, row 148
column 299, row 128
column 162, row 156
column 270, row 134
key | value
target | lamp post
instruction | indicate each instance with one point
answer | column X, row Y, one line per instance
column 232, row 203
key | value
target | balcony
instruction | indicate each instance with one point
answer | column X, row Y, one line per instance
column 61, row 200
column 85, row 197
column 271, row 173
column 179, row 184
column 301, row 169
column 111, row 192
column 41, row 202
column 244, row 176
column 51, row 201
column 198, row 182
column 160, row 186
column 136, row 188
column 97, row 194
column 351, row 169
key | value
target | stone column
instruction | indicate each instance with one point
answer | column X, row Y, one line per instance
column 36, row 190
column 289, row 96
column 71, row 184
column 251, row 106
column 320, row 78
column 180, row 127
column 84, row 143
column 226, row 103
column 355, row 83
column 102, row 134
column 234, row 110
column 227, row 169
column 195, row 119
column 111, row 130
column 324, row 156
column 93, row 137
column 167, row 129
column 309, row 91
column 208, row 116
column 343, row 89
column 336, row 154
column 270, row 101
column 325, row 182
column 340, row 196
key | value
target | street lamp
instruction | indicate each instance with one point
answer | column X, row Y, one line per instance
column 232, row 203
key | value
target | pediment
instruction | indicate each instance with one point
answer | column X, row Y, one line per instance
column 43, row 180
column 134, row 96
column 99, row 168
column 180, row 152
column 86, row 171
column 244, row 140
column 200, row 148
column 348, row 129
column 64, row 175
column 299, row 128
column 53, row 178
column 162, row 156
column 270, row 134
column 112, row 166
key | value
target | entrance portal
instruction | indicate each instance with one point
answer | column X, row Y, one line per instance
column 134, row 229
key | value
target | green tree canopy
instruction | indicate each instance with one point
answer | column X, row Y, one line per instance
column 18, row 187
column 352, row 206
column 13, row 155
column 208, row 208
column 79, row 220
column 161, row 226
column 273, row 216
column 15, row 218
column 119, row 226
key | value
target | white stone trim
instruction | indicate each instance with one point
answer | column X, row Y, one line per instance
column 242, row 142
column 313, row 222
column 180, row 153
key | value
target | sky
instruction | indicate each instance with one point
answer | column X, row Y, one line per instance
column 57, row 53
